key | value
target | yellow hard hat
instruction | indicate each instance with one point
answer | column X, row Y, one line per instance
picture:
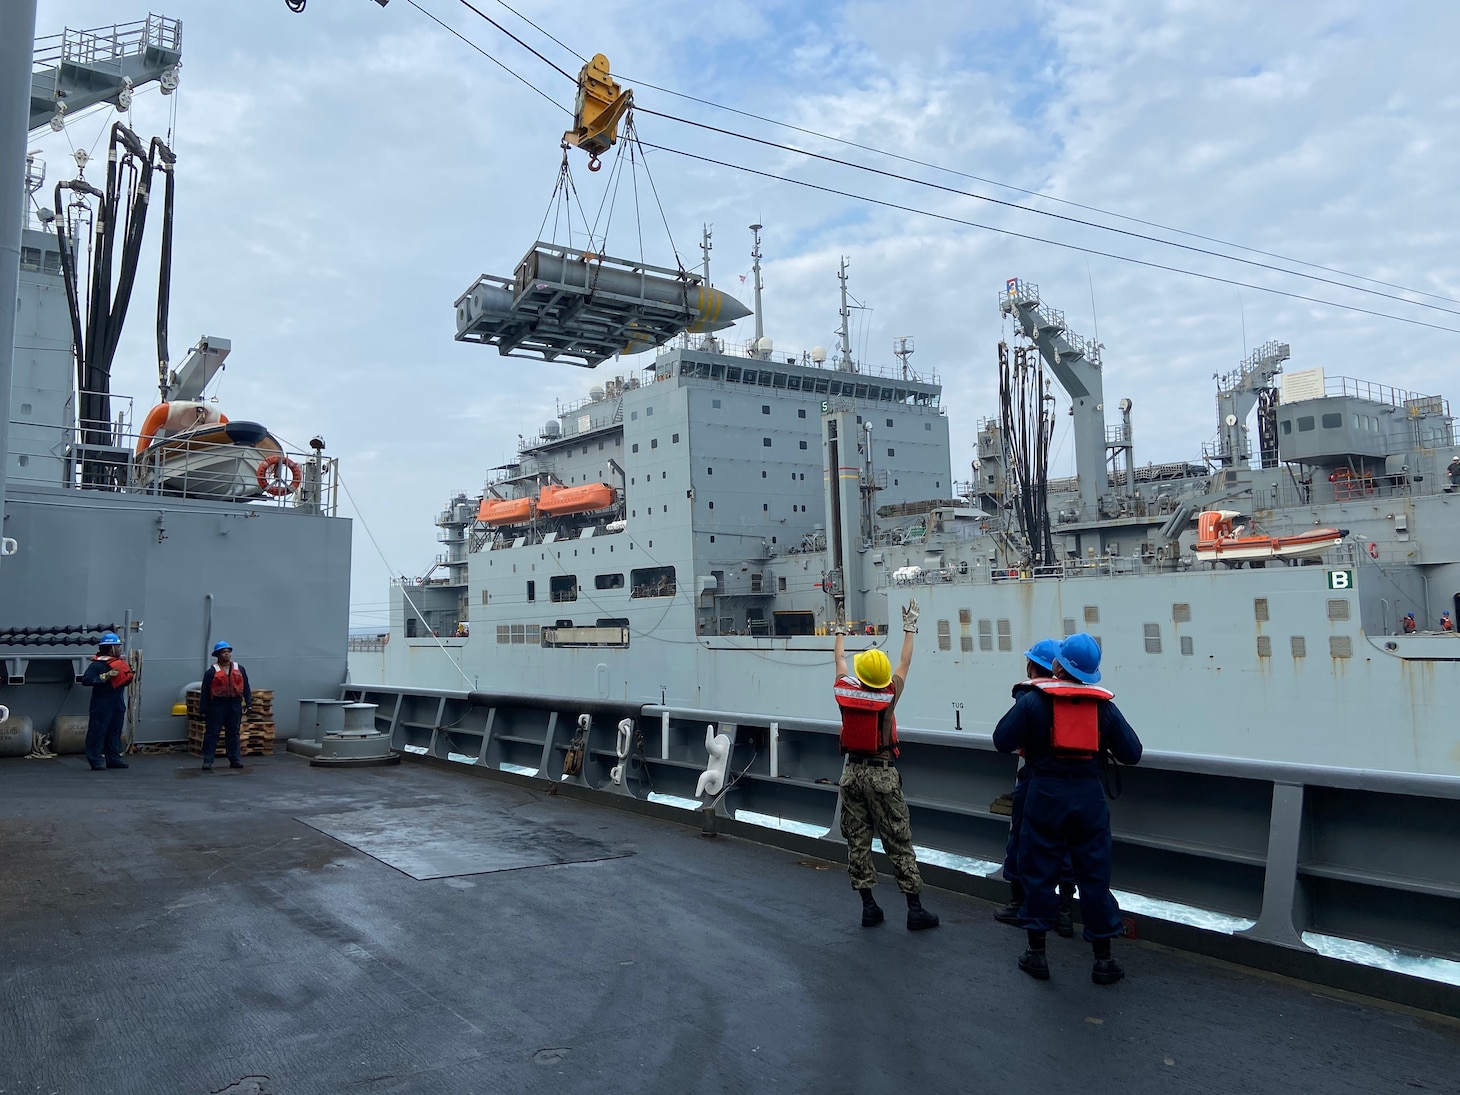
column 872, row 668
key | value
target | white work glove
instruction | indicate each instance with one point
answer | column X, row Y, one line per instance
column 910, row 618
column 839, row 629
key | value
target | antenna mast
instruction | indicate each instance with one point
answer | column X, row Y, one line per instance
column 755, row 270
column 844, row 362
column 705, row 248
column 902, row 349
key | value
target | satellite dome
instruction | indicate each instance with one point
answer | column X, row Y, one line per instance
column 595, row 393
column 550, row 428
column 818, row 354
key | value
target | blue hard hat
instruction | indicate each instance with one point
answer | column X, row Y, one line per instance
column 1043, row 653
column 221, row 645
column 110, row 638
column 1080, row 655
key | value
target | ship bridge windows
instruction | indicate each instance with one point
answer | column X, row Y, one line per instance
column 1306, row 424
column 609, row 581
column 563, row 587
column 732, row 374
column 652, row 582
column 1287, row 426
column 1333, row 421
column 793, row 383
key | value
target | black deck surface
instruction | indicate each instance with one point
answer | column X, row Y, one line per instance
column 163, row 931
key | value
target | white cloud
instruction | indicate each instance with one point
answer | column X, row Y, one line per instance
column 345, row 174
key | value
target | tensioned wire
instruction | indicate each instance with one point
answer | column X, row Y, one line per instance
column 1014, row 205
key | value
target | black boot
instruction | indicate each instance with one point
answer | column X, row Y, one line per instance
column 1064, row 921
column 1107, row 971
column 1009, row 913
column 871, row 911
column 1033, row 961
column 918, row 917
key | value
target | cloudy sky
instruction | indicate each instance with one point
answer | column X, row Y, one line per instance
column 346, row 173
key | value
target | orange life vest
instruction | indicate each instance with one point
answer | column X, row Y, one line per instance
column 862, row 710
column 123, row 670
column 227, row 683
column 1076, row 727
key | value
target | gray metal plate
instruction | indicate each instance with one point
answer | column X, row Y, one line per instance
column 448, row 840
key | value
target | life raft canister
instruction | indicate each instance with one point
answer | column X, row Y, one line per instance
column 862, row 710
column 227, row 684
column 1076, row 728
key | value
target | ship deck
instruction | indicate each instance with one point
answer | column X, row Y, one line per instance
column 170, row 931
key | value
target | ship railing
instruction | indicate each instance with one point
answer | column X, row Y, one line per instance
column 1285, row 853
column 1382, row 393
column 805, row 359
column 104, row 456
column 103, row 45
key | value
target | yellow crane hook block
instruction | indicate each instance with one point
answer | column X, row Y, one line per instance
column 597, row 111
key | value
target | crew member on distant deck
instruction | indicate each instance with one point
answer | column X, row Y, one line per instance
column 871, row 786
column 107, row 676
column 224, row 699
column 1038, row 665
column 1408, row 623
column 1064, row 727
column 1453, row 471
column 1446, row 624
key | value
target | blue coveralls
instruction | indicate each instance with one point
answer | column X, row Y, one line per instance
column 223, row 714
column 1065, row 813
column 1016, row 816
column 108, row 712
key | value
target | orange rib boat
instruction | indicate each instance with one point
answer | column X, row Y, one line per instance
column 505, row 511
column 561, row 501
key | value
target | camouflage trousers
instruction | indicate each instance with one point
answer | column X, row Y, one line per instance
column 872, row 799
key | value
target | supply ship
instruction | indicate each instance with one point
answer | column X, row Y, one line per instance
column 688, row 532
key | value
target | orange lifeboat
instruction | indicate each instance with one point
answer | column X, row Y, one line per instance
column 561, row 501
column 505, row 511
column 1217, row 539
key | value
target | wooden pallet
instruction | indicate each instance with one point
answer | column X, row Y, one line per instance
column 256, row 734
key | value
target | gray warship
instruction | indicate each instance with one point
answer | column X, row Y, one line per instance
column 687, row 533
column 175, row 526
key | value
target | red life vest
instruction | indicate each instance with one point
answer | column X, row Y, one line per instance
column 123, row 671
column 227, row 683
column 1076, row 727
column 862, row 710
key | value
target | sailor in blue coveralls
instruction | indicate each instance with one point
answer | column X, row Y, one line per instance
column 1064, row 726
column 1038, row 665
column 108, row 705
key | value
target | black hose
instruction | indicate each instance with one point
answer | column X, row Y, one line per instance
column 164, row 269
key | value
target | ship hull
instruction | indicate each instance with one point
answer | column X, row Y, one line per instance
column 1204, row 685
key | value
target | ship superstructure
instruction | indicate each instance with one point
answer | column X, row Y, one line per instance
column 175, row 527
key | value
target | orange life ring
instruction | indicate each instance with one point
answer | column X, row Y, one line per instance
column 278, row 476
column 1373, row 551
